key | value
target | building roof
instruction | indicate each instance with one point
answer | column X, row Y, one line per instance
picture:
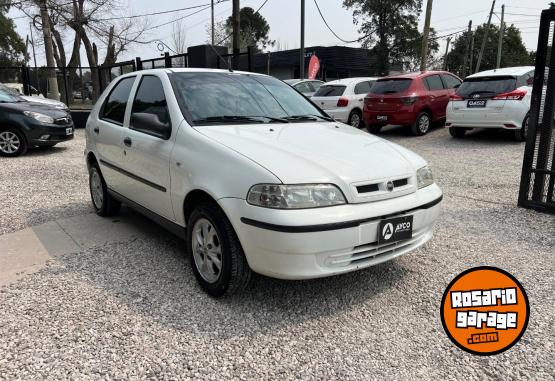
column 517, row 70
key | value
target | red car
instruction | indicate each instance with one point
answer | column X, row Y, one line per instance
column 414, row 99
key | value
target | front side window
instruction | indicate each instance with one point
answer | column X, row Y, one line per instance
column 221, row 98
column 433, row 83
column 150, row 99
column 116, row 103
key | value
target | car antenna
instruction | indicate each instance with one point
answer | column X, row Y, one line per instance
column 221, row 58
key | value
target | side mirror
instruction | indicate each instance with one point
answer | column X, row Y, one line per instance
column 150, row 124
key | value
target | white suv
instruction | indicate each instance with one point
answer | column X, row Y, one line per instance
column 497, row 98
column 344, row 99
column 254, row 176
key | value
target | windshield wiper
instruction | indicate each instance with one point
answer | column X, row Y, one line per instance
column 239, row 119
column 311, row 117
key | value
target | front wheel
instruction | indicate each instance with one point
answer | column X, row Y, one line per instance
column 217, row 257
column 12, row 142
column 104, row 204
column 522, row 133
column 422, row 124
column 355, row 119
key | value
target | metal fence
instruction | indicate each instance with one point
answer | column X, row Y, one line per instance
column 538, row 169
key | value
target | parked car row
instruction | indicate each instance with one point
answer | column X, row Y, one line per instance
column 491, row 99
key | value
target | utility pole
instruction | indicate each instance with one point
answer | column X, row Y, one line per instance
column 212, row 10
column 466, row 51
column 301, row 50
column 446, row 51
column 501, row 34
column 484, row 40
column 53, row 92
column 236, row 16
column 471, row 63
column 33, row 45
column 424, row 52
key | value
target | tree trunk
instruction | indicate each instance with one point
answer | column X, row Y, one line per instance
column 53, row 92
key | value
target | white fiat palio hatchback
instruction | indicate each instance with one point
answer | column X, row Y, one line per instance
column 254, row 176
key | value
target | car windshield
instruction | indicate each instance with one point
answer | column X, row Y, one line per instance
column 486, row 86
column 330, row 91
column 9, row 95
column 390, row 86
column 223, row 98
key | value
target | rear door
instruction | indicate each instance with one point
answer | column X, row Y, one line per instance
column 327, row 96
column 108, row 133
column 438, row 95
column 146, row 155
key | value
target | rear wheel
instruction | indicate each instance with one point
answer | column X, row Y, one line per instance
column 355, row 119
column 522, row 133
column 217, row 257
column 104, row 204
column 12, row 142
column 457, row 132
column 422, row 124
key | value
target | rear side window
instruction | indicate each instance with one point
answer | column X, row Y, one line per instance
column 114, row 106
column 450, row 81
column 303, row 87
column 487, row 86
column 391, row 86
column 150, row 99
column 433, row 82
column 363, row 87
column 330, row 91
column 315, row 85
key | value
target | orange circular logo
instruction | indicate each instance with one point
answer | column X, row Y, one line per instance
column 485, row 310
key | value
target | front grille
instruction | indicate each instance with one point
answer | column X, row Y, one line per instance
column 368, row 188
column 63, row 121
column 400, row 182
column 376, row 187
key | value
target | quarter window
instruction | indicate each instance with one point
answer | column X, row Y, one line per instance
column 150, row 99
column 116, row 103
column 433, row 82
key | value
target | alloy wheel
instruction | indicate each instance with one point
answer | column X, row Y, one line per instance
column 424, row 123
column 355, row 120
column 207, row 250
column 96, row 189
column 9, row 142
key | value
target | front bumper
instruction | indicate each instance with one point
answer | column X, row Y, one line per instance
column 314, row 243
column 56, row 133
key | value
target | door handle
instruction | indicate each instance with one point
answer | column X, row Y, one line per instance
column 96, row 130
column 127, row 142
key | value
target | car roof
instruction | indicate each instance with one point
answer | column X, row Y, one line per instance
column 416, row 74
column 187, row 70
column 516, row 71
column 348, row 81
column 297, row 80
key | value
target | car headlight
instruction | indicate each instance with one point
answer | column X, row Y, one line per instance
column 295, row 196
column 39, row 117
column 424, row 177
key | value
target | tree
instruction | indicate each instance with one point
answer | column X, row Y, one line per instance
column 254, row 30
column 390, row 30
column 12, row 47
column 514, row 52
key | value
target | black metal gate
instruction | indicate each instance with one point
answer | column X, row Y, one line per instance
column 538, row 169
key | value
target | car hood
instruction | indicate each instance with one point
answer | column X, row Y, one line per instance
column 37, row 107
column 45, row 101
column 316, row 152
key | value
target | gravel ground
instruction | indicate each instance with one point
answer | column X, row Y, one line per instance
column 132, row 310
column 43, row 185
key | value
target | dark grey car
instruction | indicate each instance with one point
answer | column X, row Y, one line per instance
column 24, row 124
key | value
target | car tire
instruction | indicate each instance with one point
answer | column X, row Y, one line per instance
column 104, row 205
column 522, row 133
column 355, row 119
column 457, row 132
column 422, row 124
column 374, row 128
column 12, row 142
column 212, row 240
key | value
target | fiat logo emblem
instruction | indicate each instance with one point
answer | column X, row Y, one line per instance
column 390, row 186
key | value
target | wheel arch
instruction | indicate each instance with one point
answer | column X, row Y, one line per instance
column 195, row 198
column 91, row 160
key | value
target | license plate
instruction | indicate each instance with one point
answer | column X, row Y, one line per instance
column 395, row 229
column 381, row 117
column 69, row 131
column 476, row 103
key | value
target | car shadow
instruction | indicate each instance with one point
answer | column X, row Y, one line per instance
column 43, row 151
column 152, row 276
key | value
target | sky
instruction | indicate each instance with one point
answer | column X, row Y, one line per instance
column 283, row 16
